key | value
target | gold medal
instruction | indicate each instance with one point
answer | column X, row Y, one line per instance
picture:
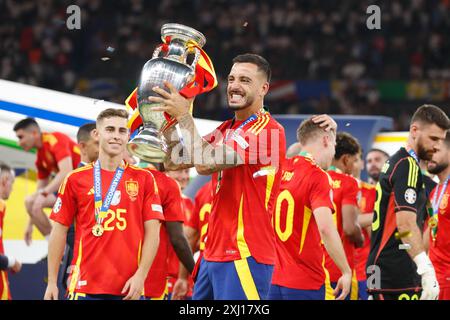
column 432, row 222
column 97, row 230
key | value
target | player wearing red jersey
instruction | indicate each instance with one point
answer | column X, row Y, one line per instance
column 10, row 263
column 172, row 237
column 244, row 154
column 182, row 177
column 345, row 198
column 117, row 213
column 56, row 154
column 196, row 230
column 303, row 217
column 438, row 232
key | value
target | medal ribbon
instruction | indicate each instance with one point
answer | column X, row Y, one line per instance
column 101, row 207
column 413, row 154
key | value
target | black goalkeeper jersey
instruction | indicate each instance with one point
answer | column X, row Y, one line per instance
column 400, row 188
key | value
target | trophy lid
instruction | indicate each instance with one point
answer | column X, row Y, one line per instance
column 185, row 33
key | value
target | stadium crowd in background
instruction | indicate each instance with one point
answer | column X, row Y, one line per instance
column 324, row 41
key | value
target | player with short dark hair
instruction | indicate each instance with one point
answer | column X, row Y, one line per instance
column 375, row 160
column 345, row 197
column 397, row 256
column 56, row 154
column 88, row 145
column 117, row 214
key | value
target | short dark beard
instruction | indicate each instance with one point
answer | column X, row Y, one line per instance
column 422, row 153
column 375, row 177
column 438, row 168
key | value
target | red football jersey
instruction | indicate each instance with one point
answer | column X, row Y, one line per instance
column 366, row 204
column 345, row 192
column 55, row 147
column 102, row 265
column 173, row 264
column 202, row 209
column 5, row 294
column 300, row 256
column 244, row 196
column 170, row 196
column 440, row 248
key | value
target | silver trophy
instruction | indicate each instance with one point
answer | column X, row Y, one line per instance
column 149, row 144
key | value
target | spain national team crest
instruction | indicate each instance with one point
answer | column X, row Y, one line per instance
column 132, row 188
column 444, row 202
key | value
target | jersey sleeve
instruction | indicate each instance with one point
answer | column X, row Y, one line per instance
column 405, row 186
column 61, row 149
column 65, row 207
column 321, row 193
column 350, row 191
column 152, row 202
column 171, row 202
column 254, row 142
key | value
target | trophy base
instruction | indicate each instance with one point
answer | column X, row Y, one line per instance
column 147, row 146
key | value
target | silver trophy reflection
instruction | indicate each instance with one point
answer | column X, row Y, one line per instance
column 149, row 144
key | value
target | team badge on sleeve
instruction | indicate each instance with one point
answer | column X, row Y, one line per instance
column 58, row 205
column 410, row 196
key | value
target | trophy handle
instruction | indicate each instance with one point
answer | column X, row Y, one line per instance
column 196, row 57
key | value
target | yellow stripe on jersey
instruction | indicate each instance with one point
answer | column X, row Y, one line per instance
column 354, row 289
column 247, row 282
column 165, row 294
column 412, row 173
column 270, row 180
column 328, row 289
column 76, row 271
column 62, row 187
column 306, row 218
column 50, row 138
column 5, row 292
column 241, row 243
column 262, row 125
column 256, row 124
column 139, row 261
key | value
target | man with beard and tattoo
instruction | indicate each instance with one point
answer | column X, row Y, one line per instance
column 438, row 232
column 397, row 254
column 245, row 156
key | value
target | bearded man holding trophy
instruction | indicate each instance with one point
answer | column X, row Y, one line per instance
column 244, row 157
